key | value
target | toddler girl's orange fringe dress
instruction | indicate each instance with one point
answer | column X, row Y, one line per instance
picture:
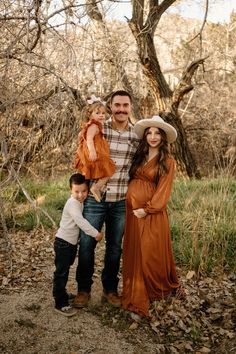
column 103, row 166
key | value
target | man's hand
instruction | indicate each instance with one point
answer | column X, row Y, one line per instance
column 99, row 237
column 139, row 213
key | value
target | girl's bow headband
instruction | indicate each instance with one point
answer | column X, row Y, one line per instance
column 94, row 99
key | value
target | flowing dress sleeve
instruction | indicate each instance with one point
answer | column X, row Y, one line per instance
column 163, row 191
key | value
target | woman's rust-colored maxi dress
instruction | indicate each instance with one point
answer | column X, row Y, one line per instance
column 148, row 265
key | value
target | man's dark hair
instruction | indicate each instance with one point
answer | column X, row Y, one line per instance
column 120, row 93
column 77, row 178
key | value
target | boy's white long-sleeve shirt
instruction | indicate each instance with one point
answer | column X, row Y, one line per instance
column 72, row 221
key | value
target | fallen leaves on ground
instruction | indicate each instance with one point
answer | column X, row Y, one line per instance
column 31, row 253
column 203, row 320
column 199, row 324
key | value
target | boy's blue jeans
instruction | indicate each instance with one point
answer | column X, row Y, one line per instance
column 113, row 214
column 65, row 254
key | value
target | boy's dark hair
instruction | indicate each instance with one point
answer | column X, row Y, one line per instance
column 120, row 93
column 77, row 178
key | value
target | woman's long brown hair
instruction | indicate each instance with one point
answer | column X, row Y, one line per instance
column 142, row 152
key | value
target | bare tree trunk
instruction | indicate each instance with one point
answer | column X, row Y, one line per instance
column 183, row 154
column 167, row 101
column 151, row 67
column 95, row 14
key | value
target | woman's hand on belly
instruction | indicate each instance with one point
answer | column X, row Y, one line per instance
column 139, row 213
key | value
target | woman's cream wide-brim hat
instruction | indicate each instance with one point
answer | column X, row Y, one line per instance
column 158, row 122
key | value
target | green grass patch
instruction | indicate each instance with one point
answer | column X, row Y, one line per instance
column 49, row 195
column 203, row 223
column 202, row 217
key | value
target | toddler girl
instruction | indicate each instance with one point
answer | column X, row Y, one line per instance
column 93, row 153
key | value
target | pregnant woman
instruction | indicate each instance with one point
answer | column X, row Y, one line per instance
column 148, row 265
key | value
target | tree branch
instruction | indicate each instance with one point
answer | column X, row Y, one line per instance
column 38, row 26
column 93, row 10
column 185, row 85
column 37, row 20
column 137, row 15
column 74, row 92
column 199, row 34
column 155, row 13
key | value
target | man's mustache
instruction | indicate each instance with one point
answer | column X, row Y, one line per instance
column 120, row 112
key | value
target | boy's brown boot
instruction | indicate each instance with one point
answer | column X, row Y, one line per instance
column 81, row 300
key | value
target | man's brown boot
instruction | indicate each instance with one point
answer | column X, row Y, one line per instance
column 81, row 300
column 112, row 299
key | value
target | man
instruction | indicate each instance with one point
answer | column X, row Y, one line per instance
column 111, row 210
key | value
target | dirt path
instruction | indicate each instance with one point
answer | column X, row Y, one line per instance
column 204, row 323
column 30, row 325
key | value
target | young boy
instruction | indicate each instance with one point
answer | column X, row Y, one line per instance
column 65, row 245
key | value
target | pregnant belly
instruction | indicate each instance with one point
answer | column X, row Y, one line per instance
column 139, row 193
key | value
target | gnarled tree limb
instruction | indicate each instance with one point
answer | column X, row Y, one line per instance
column 185, row 85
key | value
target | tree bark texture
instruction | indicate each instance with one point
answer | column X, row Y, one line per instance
column 167, row 101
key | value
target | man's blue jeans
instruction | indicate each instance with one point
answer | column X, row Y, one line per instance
column 113, row 214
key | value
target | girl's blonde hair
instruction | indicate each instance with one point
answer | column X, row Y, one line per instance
column 88, row 110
